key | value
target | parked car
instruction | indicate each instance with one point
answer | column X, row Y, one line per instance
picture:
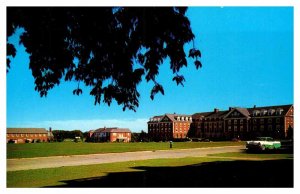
column 263, row 143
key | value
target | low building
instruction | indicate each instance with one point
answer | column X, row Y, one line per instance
column 23, row 135
column 113, row 134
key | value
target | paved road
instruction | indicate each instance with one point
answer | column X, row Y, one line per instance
column 76, row 160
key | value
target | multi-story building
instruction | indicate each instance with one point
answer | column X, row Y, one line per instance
column 22, row 135
column 244, row 123
column 113, row 134
column 169, row 127
column 235, row 122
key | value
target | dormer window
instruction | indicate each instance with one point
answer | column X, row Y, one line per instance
column 279, row 111
column 263, row 112
column 256, row 112
column 271, row 111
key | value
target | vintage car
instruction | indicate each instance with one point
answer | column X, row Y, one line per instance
column 263, row 143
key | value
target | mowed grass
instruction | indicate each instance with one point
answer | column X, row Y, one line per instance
column 58, row 176
column 71, row 148
column 176, row 172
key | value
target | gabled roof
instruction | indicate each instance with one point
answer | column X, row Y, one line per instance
column 217, row 114
column 158, row 118
column 112, row 130
column 285, row 108
column 243, row 111
column 174, row 116
column 26, row 130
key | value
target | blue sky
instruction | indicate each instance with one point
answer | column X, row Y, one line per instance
column 247, row 57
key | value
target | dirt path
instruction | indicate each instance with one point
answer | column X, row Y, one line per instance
column 77, row 160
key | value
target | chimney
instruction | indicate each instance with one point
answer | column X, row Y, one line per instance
column 254, row 106
column 50, row 129
column 216, row 110
column 230, row 108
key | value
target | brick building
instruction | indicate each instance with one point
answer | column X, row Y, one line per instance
column 169, row 127
column 20, row 135
column 113, row 134
column 244, row 123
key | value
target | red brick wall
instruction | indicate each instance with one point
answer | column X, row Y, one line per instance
column 21, row 138
column 115, row 135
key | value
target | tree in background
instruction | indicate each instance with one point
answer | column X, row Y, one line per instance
column 108, row 49
column 61, row 135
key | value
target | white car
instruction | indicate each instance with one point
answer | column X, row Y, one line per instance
column 263, row 143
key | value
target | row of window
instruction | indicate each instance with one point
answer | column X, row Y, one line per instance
column 167, row 124
column 241, row 121
column 26, row 135
column 263, row 112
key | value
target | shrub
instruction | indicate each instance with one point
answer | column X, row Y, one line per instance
column 27, row 141
column 38, row 141
column 11, row 141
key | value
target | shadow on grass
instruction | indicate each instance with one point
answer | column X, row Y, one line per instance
column 272, row 151
column 273, row 173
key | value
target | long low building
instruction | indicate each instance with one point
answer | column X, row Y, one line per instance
column 22, row 135
column 236, row 122
column 113, row 134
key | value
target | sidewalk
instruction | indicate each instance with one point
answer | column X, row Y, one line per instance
column 77, row 160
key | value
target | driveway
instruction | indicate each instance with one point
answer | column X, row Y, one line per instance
column 77, row 160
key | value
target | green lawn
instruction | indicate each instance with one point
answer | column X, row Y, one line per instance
column 179, row 172
column 57, row 176
column 71, row 148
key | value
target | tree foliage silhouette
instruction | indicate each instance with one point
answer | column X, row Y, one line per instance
column 114, row 47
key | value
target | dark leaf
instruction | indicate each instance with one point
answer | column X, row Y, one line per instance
column 179, row 79
column 198, row 64
column 157, row 88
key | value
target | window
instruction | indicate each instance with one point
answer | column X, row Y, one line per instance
column 269, row 120
column 235, row 128
column 254, row 120
column 235, row 121
column 263, row 112
column 262, row 127
column 277, row 120
column 270, row 128
column 262, row 120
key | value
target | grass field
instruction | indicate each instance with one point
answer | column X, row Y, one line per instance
column 71, row 148
column 179, row 172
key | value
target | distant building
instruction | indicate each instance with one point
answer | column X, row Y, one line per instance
column 169, row 126
column 244, row 123
column 236, row 122
column 20, row 135
column 113, row 134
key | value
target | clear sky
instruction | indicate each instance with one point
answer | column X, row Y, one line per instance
column 247, row 57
